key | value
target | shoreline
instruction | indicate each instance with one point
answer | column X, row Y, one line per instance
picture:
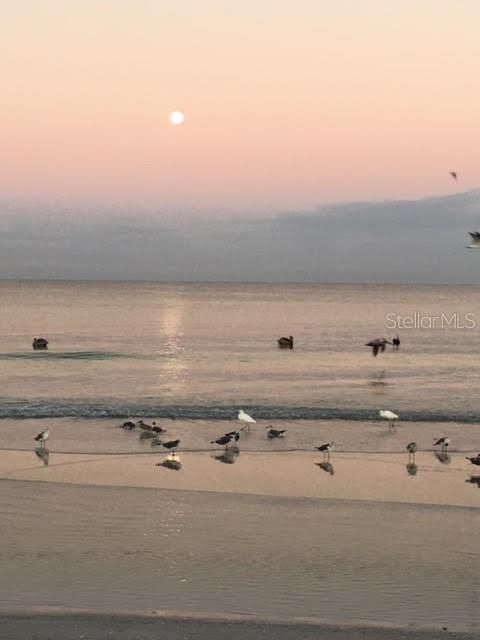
column 65, row 623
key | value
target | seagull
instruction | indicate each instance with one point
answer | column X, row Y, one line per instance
column 390, row 416
column 223, row 440
column 245, row 419
column 42, row 437
column 156, row 429
column 377, row 345
column 275, row 433
column 143, row 425
column 411, row 448
column 128, row 425
column 475, row 243
column 325, row 449
column 171, row 444
column 454, row 175
column 285, row 343
column 475, row 460
column 444, row 442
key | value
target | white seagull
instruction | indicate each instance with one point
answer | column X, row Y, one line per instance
column 42, row 437
column 245, row 419
column 475, row 243
column 389, row 416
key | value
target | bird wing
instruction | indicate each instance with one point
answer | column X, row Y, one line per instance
column 475, row 235
column 375, row 349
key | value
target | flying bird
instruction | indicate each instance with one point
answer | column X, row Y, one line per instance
column 454, row 175
column 275, row 433
column 245, row 419
column 475, row 242
column 42, row 437
column 377, row 345
column 389, row 416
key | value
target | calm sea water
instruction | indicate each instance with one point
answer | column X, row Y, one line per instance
column 191, row 355
column 201, row 351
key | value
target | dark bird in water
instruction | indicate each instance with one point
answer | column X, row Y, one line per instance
column 223, row 440
column 474, row 460
column 275, row 433
column 454, row 175
column 396, row 342
column 285, row 343
column 411, row 448
column 325, row 449
column 377, row 345
column 444, row 442
column 40, row 343
column 128, row 425
column 475, row 242
column 42, row 437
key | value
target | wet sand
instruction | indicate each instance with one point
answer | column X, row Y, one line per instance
column 378, row 477
column 128, row 627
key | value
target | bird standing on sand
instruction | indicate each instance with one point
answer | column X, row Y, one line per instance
column 171, row 444
column 444, row 442
column 325, row 449
column 411, row 448
column 475, row 242
column 475, row 459
column 245, row 419
column 128, row 425
column 285, row 343
column 223, row 440
column 389, row 416
column 42, row 437
column 377, row 345
column 275, row 433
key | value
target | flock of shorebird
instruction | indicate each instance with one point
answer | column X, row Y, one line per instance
column 230, row 440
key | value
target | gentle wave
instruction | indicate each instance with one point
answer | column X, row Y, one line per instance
column 65, row 355
column 71, row 409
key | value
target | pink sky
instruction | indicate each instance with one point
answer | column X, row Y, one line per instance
column 287, row 104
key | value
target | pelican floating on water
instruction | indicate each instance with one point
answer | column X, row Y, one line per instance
column 285, row 343
column 40, row 343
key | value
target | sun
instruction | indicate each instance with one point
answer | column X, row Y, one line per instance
column 177, row 117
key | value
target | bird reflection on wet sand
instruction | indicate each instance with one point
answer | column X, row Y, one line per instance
column 411, row 468
column 442, row 456
column 43, row 454
column 326, row 466
column 171, row 462
column 227, row 457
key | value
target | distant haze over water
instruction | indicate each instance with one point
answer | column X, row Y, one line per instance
column 419, row 241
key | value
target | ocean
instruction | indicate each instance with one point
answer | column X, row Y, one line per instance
column 189, row 356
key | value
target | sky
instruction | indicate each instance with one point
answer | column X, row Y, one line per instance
column 288, row 104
